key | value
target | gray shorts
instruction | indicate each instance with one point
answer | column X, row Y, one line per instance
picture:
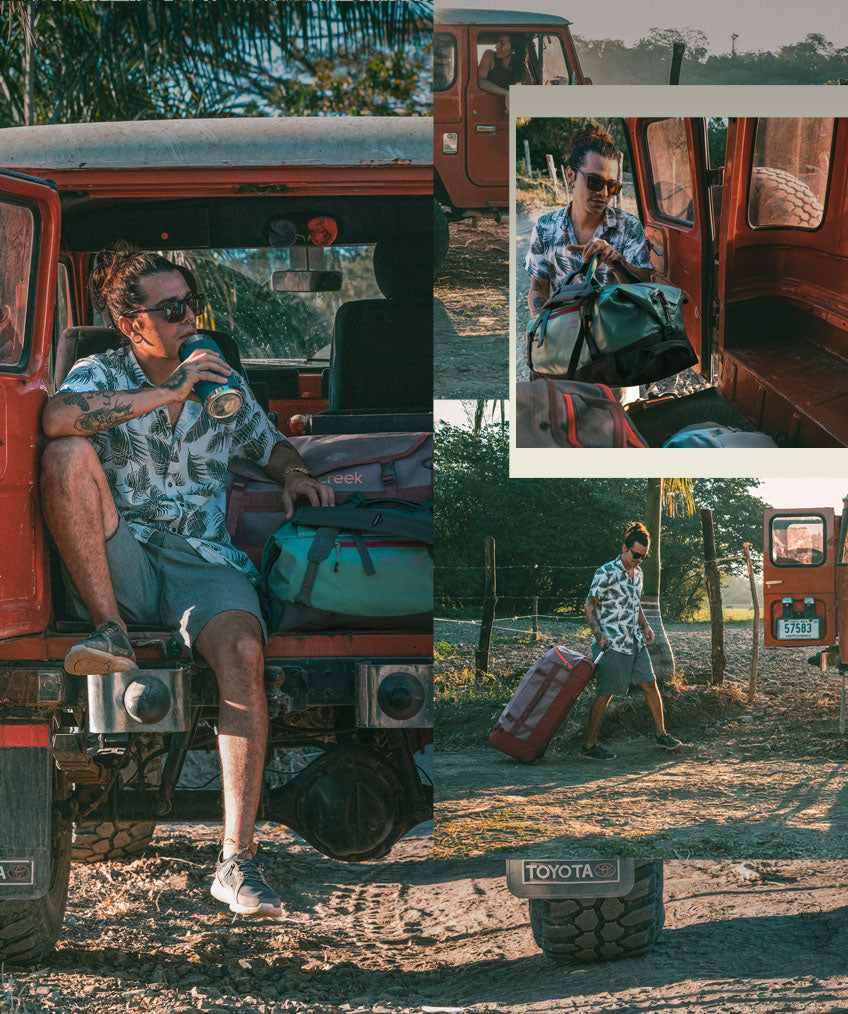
column 618, row 670
column 166, row 583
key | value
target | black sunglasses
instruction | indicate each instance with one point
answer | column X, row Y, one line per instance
column 175, row 309
column 639, row 556
column 597, row 183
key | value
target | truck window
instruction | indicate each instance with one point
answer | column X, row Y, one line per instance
column 17, row 238
column 790, row 172
column 797, row 541
column 555, row 70
column 671, row 178
column 62, row 312
column 444, row 61
column 280, row 326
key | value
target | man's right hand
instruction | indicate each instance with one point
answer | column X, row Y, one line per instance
column 202, row 364
column 602, row 639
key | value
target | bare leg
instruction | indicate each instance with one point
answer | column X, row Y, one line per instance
column 596, row 716
column 232, row 644
column 655, row 705
column 81, row 514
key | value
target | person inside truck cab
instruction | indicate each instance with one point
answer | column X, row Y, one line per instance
column 133, row 494
column 504, row 65
column 567, row 239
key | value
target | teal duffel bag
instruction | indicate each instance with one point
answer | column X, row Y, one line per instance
column 368, row 563
column 621, row 334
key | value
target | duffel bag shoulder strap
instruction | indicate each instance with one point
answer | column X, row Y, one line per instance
column 362, row 519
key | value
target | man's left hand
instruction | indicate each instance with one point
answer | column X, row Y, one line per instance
column 299, row 484
column 648, row 634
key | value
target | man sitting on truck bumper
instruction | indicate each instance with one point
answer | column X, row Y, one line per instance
column 133, row 494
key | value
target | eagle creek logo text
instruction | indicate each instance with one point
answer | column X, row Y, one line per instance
column 543, row 873
column 344, row 479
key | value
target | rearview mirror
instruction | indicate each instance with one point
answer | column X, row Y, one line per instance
column 306, row 281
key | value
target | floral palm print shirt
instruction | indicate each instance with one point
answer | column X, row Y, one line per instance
column 618, row 605
column 172, row 479
column 548, row 258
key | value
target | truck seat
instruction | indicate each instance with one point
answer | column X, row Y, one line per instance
column 382, row 354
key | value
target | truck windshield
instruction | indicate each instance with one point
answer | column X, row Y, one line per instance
column 797, row 541
column 281, row 326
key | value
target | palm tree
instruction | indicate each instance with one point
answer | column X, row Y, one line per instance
column 79, row 60
column 674, row 495
column 480, row 415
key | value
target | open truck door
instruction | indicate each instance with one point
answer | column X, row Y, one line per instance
column 30, row 219
column 670, row 171
column 799, row 577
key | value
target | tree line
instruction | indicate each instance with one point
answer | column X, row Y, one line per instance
column 813, row 60
column 552, row 534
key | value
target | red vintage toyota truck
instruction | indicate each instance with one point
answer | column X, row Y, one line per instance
column 236, row 201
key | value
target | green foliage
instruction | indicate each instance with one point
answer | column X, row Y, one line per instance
column 177, row 58
column 553, row 136
column 552, row 534
column 813, row 60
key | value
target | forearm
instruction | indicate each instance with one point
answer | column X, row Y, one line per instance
column 82, row 413
column 283, row 459
column 537, row 297
column 485, row 85
column 643, row 623
column 618, row 265
column 592, row 615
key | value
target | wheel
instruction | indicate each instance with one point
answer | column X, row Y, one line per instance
column 779, row 198
column 29, row 929
column 92, row 843
column 582, row 930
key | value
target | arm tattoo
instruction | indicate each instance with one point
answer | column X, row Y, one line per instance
column 75, row 398
column 105, row 417
column 177, row 378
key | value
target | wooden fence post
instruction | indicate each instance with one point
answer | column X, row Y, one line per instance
column 481, row 660
column 527, row 157
column 714, row 595
column 553, row 175
column 755, row 655
column 535, row 617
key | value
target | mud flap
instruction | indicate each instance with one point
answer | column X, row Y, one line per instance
column 26, row 772
column 570, row 878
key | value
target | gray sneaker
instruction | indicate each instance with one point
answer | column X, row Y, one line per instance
column 239, row 883
column 597, row 752
column 668, row 742
column 108, row 649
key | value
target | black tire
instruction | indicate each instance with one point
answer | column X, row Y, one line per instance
column 583, row 930
column 29, row 929
column 779, row 198
column 92, row 843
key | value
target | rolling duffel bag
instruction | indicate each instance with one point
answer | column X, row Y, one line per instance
column 544, row 697
column 368, row 564
column 373, row 465
column 565, row 413
column 620, row 334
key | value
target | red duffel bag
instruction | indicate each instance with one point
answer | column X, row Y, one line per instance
column 544, row 697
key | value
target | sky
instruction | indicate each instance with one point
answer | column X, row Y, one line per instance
column 760, row 24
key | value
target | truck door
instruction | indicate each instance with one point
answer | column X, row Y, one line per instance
column 29, row 248
column 799, row 577
column 486, row 121
column 669, row 168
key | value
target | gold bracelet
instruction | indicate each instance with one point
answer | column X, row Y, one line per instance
column 297, row 468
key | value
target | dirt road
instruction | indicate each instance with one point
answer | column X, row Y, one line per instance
column 471, row 320
column 768, row 780
column 415, row 935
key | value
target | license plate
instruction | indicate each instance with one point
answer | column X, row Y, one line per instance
column 552, row 878
column 798, row 629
